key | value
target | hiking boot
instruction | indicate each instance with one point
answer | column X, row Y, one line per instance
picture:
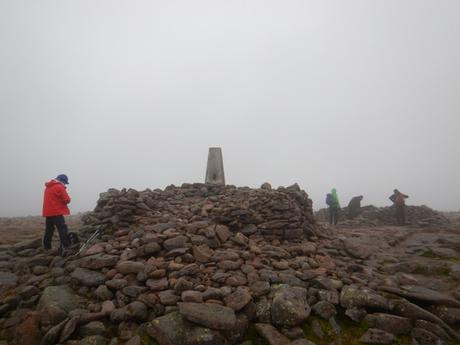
column 63, row 251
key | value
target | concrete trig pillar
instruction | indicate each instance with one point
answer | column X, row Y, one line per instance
column 215, row 170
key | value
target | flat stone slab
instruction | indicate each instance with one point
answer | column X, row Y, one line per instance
column 173, row 329
column 271, row 334
column 377, row 337
column 421, row 293
column 87, row 277
column 390, row 323
column 209, row 315
column 354, row 297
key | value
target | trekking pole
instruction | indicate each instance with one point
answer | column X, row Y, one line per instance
column 89, row 240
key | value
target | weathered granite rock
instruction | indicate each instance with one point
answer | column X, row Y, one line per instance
column 377, row 337
column 209, row 315
column 424, row 337
column 289, row 307
column 271, row 334
column 173, row 329
column 103, row 293
column 98, row 261
column 88, row 277
column 420, row 293
column 260, row 288
column 133, row 311
column 176, row 242
column 448, row 315
column 92, row 328
column 56, row 302
column 324, row 309
column 239, row 299
column 128, row 267
column 351, row 297
column 390, row 323
column 116, row 284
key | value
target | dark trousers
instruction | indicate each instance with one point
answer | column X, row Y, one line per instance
column 333, row 215
column 400, row 214
column 59, row 223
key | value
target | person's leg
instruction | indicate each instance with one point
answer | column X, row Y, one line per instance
column 63, row 233
column 336, row 216
column 49, row 230
column 403, row 215
column 399, row 215
column 331, row 215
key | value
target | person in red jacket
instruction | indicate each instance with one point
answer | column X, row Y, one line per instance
column 55, row 203
column 399, row 201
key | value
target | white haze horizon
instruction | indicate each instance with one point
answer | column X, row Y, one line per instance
column 362, row 96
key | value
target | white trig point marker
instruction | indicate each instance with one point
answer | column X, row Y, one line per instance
column 215, row 170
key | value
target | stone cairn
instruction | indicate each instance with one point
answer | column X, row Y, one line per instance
column 206, row 265
column 285, row 213
column 371, row 216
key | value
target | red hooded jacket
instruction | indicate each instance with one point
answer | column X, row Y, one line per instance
column 55, row 199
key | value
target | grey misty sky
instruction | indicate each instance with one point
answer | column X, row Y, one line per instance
column 358, row 95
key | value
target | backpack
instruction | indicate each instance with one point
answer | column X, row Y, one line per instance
column 73, row 238
column 399, row 200
column 329, row 199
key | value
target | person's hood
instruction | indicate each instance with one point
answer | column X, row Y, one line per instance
column 53, row 182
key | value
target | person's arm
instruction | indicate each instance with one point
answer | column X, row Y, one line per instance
column 63, row 195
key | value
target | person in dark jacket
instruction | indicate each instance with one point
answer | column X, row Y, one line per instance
column 354, row 206
column 399, row 201
column 55, row 203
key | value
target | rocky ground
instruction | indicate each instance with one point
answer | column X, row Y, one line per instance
column 209, row 265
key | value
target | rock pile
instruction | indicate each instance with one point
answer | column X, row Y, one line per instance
column 371, row 216
column 208, row 265
column 286, row 212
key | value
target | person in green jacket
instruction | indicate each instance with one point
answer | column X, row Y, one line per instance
column 332, row 200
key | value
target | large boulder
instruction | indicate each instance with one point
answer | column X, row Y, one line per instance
column 209, row 315
column 136, row 311
column 88, row 277
column 239, row 299
column 98, row 261
column 354, row 297
column 289, row 307
column 56, row 302
column 174, row 329
column 390, row 323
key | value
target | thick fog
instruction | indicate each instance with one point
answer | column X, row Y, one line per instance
column 362, row 96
